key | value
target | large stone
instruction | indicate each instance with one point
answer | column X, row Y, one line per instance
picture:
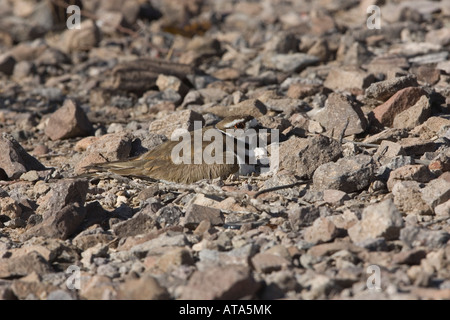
column 267, row 262
column 414, row 116
column 337, row 112
column 348, row 174
column 196, row 214
column 69, row 121
column 322, row 230
column 145, row 287
column 436, row 192
column 408, row 198
column 294, row 62
column 60, row 224
column 378, row 220
column 384, row 114
column 348, row 78
column 142, row 222
column 304, row 156
column 383, row 90
column 62, row 194
column 14, row 160
column 419, row 237
column 218, row 283
column 22, row 265
column 416, row 172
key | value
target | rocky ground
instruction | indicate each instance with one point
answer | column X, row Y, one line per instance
column 365, row 148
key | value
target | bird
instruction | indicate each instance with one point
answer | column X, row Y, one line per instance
column 160, row 163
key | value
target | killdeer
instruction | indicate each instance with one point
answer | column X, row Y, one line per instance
column 159, row 164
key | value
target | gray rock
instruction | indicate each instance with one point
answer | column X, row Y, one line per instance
column 62, row 194
column 379, row 220
column 322, row 230
column 419, row 237
column 59, row 224
column 346, row 78
column 348, row 174
column 290, row 62
column 383, row 90
column 408, row 198
column 143, row 221
column 14, row 160
column 229, row 282
column 304, row 156
column 301, row 216
column 436, row 192
column 23, row 265
column 196, row 214
column 338, row 110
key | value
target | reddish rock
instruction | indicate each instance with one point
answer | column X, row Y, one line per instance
column 69, row 121
column 402, row 100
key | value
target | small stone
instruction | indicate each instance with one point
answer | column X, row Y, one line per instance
column 419, row 237
column 339, row 111
column 165, row 82
column 300, row 91
column 178, row 120
column 59, row 224
column 388, row 150
column 410, row 257
column 383, row 90
column 415, row 172
column 347, row 78
column 304, row 156
column 399, row 102
column 10, row 208
column 294, row 62
column 142, row 222
column 413, row 116
column 300, row 216
column 144, row 288
column 14, row 160
column 7, row 63
column 267, row 262
column 322, row 230
column 23, row 265
column 196, row 214
column 347, row 174
column 408, row 198
column 69, row 121
column 443, row 209
column 229, row 282
column 427, row 74
column 436, row 192
column 110, row 147
column 379, row 220
column 335, row 196
column 175, row 258
column 30, row 176
column 438, row 36
column 63, row 193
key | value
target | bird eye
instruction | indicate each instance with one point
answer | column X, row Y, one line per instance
column 240, row 125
